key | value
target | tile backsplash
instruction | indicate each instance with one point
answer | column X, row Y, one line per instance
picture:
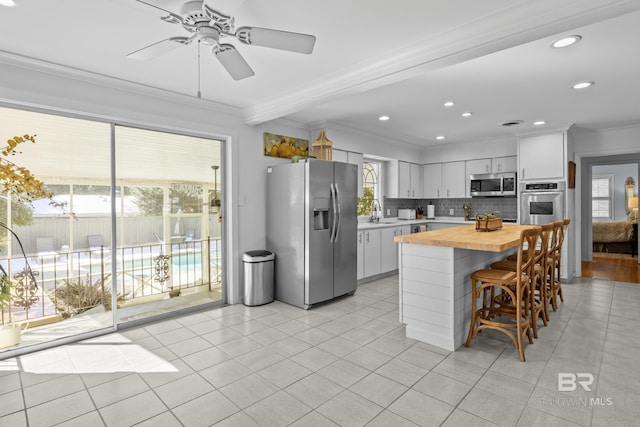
column 507, row 206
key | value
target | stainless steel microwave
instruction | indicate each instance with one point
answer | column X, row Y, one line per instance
column 493, row 185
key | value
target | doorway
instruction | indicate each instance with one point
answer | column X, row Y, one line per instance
column 606, row 248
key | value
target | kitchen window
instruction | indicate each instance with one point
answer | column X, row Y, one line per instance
column 371, row 186
column 602, row 197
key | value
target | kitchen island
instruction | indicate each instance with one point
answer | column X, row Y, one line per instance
column 435, row 282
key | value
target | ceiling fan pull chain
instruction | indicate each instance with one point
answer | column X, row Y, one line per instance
column 199, row 94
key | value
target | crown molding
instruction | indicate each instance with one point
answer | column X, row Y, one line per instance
column 522, row 22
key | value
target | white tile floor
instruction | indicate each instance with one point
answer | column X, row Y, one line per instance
column 345, row 363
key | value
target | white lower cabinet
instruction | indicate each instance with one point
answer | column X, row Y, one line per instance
column 389, row 248
column 371, row 252
column 360, row 264
column 377, row 252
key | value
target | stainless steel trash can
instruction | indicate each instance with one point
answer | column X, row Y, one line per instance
column 258, row 277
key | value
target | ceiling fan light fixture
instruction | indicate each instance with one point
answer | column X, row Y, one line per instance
column 209, row 36
column 582, row 85
column 566, row 41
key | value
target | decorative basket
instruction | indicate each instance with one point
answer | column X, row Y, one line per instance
column 322, row 146
column 490, row 224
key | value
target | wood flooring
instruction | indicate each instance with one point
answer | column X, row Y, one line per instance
column 620, row 268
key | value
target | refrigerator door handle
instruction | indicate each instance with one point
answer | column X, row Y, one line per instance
column 339, row 213
column 332, row 238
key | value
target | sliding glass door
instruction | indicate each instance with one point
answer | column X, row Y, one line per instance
column 168, row 248
column 105, row 248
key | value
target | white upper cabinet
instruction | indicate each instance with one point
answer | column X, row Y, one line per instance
column 478, row 166
column 432, row 181
column 404, row 180
column 444, row 180
column 504, row 164
column 454, row 180
column 416, row 181
column 541, row 157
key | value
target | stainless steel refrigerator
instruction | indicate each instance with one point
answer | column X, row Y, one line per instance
column 312, row 228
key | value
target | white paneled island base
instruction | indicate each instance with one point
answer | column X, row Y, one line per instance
column 435, row 283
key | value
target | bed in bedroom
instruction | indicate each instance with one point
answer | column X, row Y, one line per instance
column 614, row 236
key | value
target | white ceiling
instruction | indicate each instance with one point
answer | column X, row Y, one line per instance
column 490, row 57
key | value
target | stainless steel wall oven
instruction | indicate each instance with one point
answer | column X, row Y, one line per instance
column 542, row 202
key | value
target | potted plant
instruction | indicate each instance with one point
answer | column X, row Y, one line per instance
column 10, row 333
column 18, row 183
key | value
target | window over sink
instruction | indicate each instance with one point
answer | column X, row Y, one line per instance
column 371, row 186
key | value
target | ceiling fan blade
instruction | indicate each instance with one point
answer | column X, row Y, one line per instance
column 232, row 61
column 159, row 48
column 276, row 39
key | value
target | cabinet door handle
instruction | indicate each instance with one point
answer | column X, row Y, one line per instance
column 522, row 173
column 367, row 237
column 438, row 192
column 360, row 238
column 408, row 193
column 413, row 193
column 486, row 168
column 447, row 192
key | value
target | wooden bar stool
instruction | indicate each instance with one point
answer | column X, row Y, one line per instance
column 556, row 286
column 505, row 296
column 539, row 299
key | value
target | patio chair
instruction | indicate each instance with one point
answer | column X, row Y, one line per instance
column 96, row 244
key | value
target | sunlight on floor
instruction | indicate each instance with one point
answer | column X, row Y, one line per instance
column 109, row 354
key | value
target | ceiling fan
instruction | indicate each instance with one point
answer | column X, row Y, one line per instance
column 209, row 26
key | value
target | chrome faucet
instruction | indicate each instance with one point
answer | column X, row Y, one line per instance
column 374, row 213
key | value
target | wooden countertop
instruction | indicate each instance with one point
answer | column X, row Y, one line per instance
column 466, row 237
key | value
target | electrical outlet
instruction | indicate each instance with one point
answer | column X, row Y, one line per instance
column 451, row 212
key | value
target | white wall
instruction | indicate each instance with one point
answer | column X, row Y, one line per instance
column 448, row 152
column 349, row 139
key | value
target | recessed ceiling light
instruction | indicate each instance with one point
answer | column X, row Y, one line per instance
column 383, row 118
column 582, row 85
column 440, row 137
column 7, row 3
column 449, row 104
column 539, row 123
column 466, row 114
column 566, row 41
